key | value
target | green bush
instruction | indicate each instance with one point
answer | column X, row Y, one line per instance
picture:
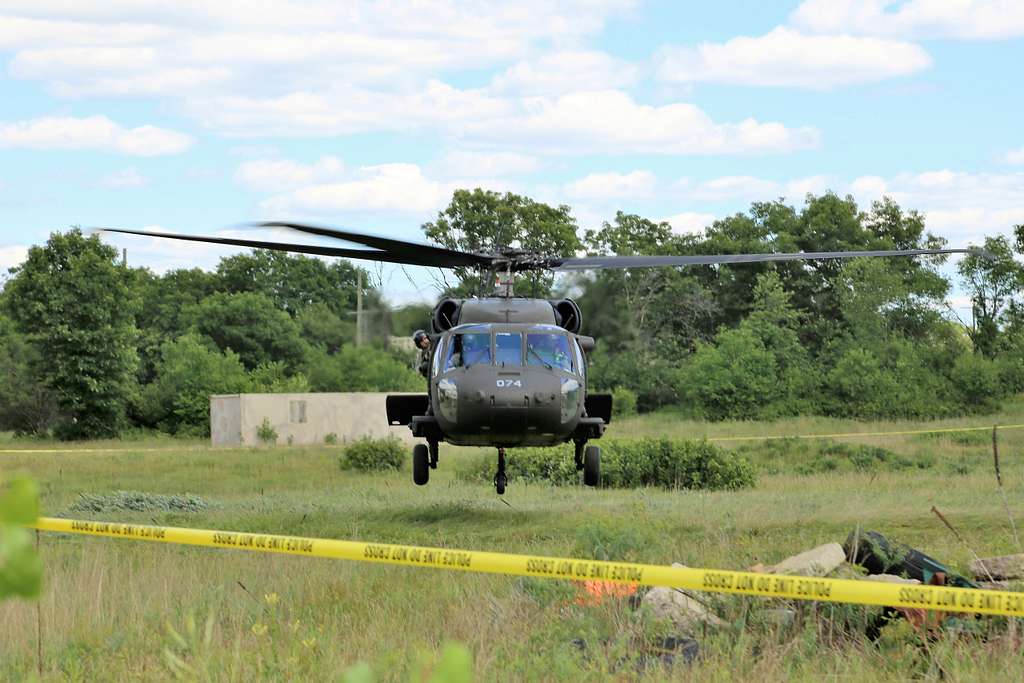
column 360, row 368
column 665, row 463
column 805, row 456
column 188, row 372
column 374, row 455
column 978, row 382
column 623, row 402
column 266, row 432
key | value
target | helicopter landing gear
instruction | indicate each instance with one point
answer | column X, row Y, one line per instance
column 420, row 464
column 592, row 466
column 432, row 446
column 578, row 457
column 500, row 480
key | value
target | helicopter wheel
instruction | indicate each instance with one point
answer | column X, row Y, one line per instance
column 592, row 466
column 420, row 464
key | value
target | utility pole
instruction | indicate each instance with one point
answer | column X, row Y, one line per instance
column 359, row 307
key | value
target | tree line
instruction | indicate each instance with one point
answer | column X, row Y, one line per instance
column 90, row 347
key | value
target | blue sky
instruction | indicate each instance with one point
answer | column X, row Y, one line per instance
column 196, row 117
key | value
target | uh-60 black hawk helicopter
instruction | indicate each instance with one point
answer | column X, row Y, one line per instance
column 506, row 370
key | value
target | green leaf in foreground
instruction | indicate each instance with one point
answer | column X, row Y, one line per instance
column 21, row 570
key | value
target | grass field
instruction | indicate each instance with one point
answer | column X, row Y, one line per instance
column 114, row 610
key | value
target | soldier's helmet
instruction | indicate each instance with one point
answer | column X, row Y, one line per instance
column 418, row 336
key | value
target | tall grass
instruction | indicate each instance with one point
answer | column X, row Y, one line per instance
column 124, row 610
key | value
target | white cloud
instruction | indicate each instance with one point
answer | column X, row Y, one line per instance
column 94, row 132
column 689, row 222
column 611, row 121
column 868, row 188
column 785, row 57
column 1015, row 156
column 613, row 186
column 567, row 71
column 125, row 179
column 275, row 175
column 325, row 68
column 385, row 187
column 12, row 256
column 797, row 189
column 124, row 47
column 740, row 188
column 960, row 19
column 485, row 164
column 745, row 189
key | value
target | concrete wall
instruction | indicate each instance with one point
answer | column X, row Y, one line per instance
column 306, row 418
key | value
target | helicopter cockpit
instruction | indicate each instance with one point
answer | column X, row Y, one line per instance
column 546, row 346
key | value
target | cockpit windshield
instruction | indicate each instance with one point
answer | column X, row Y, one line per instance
column 508, row 348
column 469, row 349
column 478, row 345
column 549, row 350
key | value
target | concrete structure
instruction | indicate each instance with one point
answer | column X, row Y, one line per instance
column 300, row 419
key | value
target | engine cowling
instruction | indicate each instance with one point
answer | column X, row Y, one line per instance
column 446, row 315
column 568, row 315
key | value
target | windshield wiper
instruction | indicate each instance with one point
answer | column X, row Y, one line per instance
column 530, row 349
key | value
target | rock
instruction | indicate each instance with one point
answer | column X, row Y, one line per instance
column 687, row 614
column 1004, row 567
column 890, row 578
column 814, row 562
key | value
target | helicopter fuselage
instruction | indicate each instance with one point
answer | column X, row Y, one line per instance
column 521, row 381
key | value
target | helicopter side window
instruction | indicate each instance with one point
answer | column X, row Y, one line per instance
column 508, row 348
column 469, row 349
column 436, row 365
column 581, row 365
column 549, row 350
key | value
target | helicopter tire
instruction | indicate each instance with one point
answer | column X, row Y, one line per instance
column 592, row 466
column 420, row 464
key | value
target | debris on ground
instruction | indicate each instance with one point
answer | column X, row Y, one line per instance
column 1003, row 567
column 668, row 650
column 879, row 555
column 890, row 578
column 596, row 592
column 819, row 561
column 136, row 501
column 686, row 613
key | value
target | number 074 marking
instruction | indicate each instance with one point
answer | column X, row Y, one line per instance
column 510, row 382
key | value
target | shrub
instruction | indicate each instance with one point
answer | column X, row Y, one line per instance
column 977, row 380
column 663, row 463
column 331, row 439
column 623, row 402
column 804, row 456
column 360, row 368
column 374, row 455
column 188, row 372
column 136, row 501
column 266, row 432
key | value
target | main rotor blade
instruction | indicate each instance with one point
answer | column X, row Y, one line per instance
column 367, row 254
column 393, row 246
column 599, row 262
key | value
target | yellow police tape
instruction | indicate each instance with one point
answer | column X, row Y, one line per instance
column 847, row 435
column 710, row 580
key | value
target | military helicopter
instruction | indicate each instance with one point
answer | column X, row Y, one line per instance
column 505, row 370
